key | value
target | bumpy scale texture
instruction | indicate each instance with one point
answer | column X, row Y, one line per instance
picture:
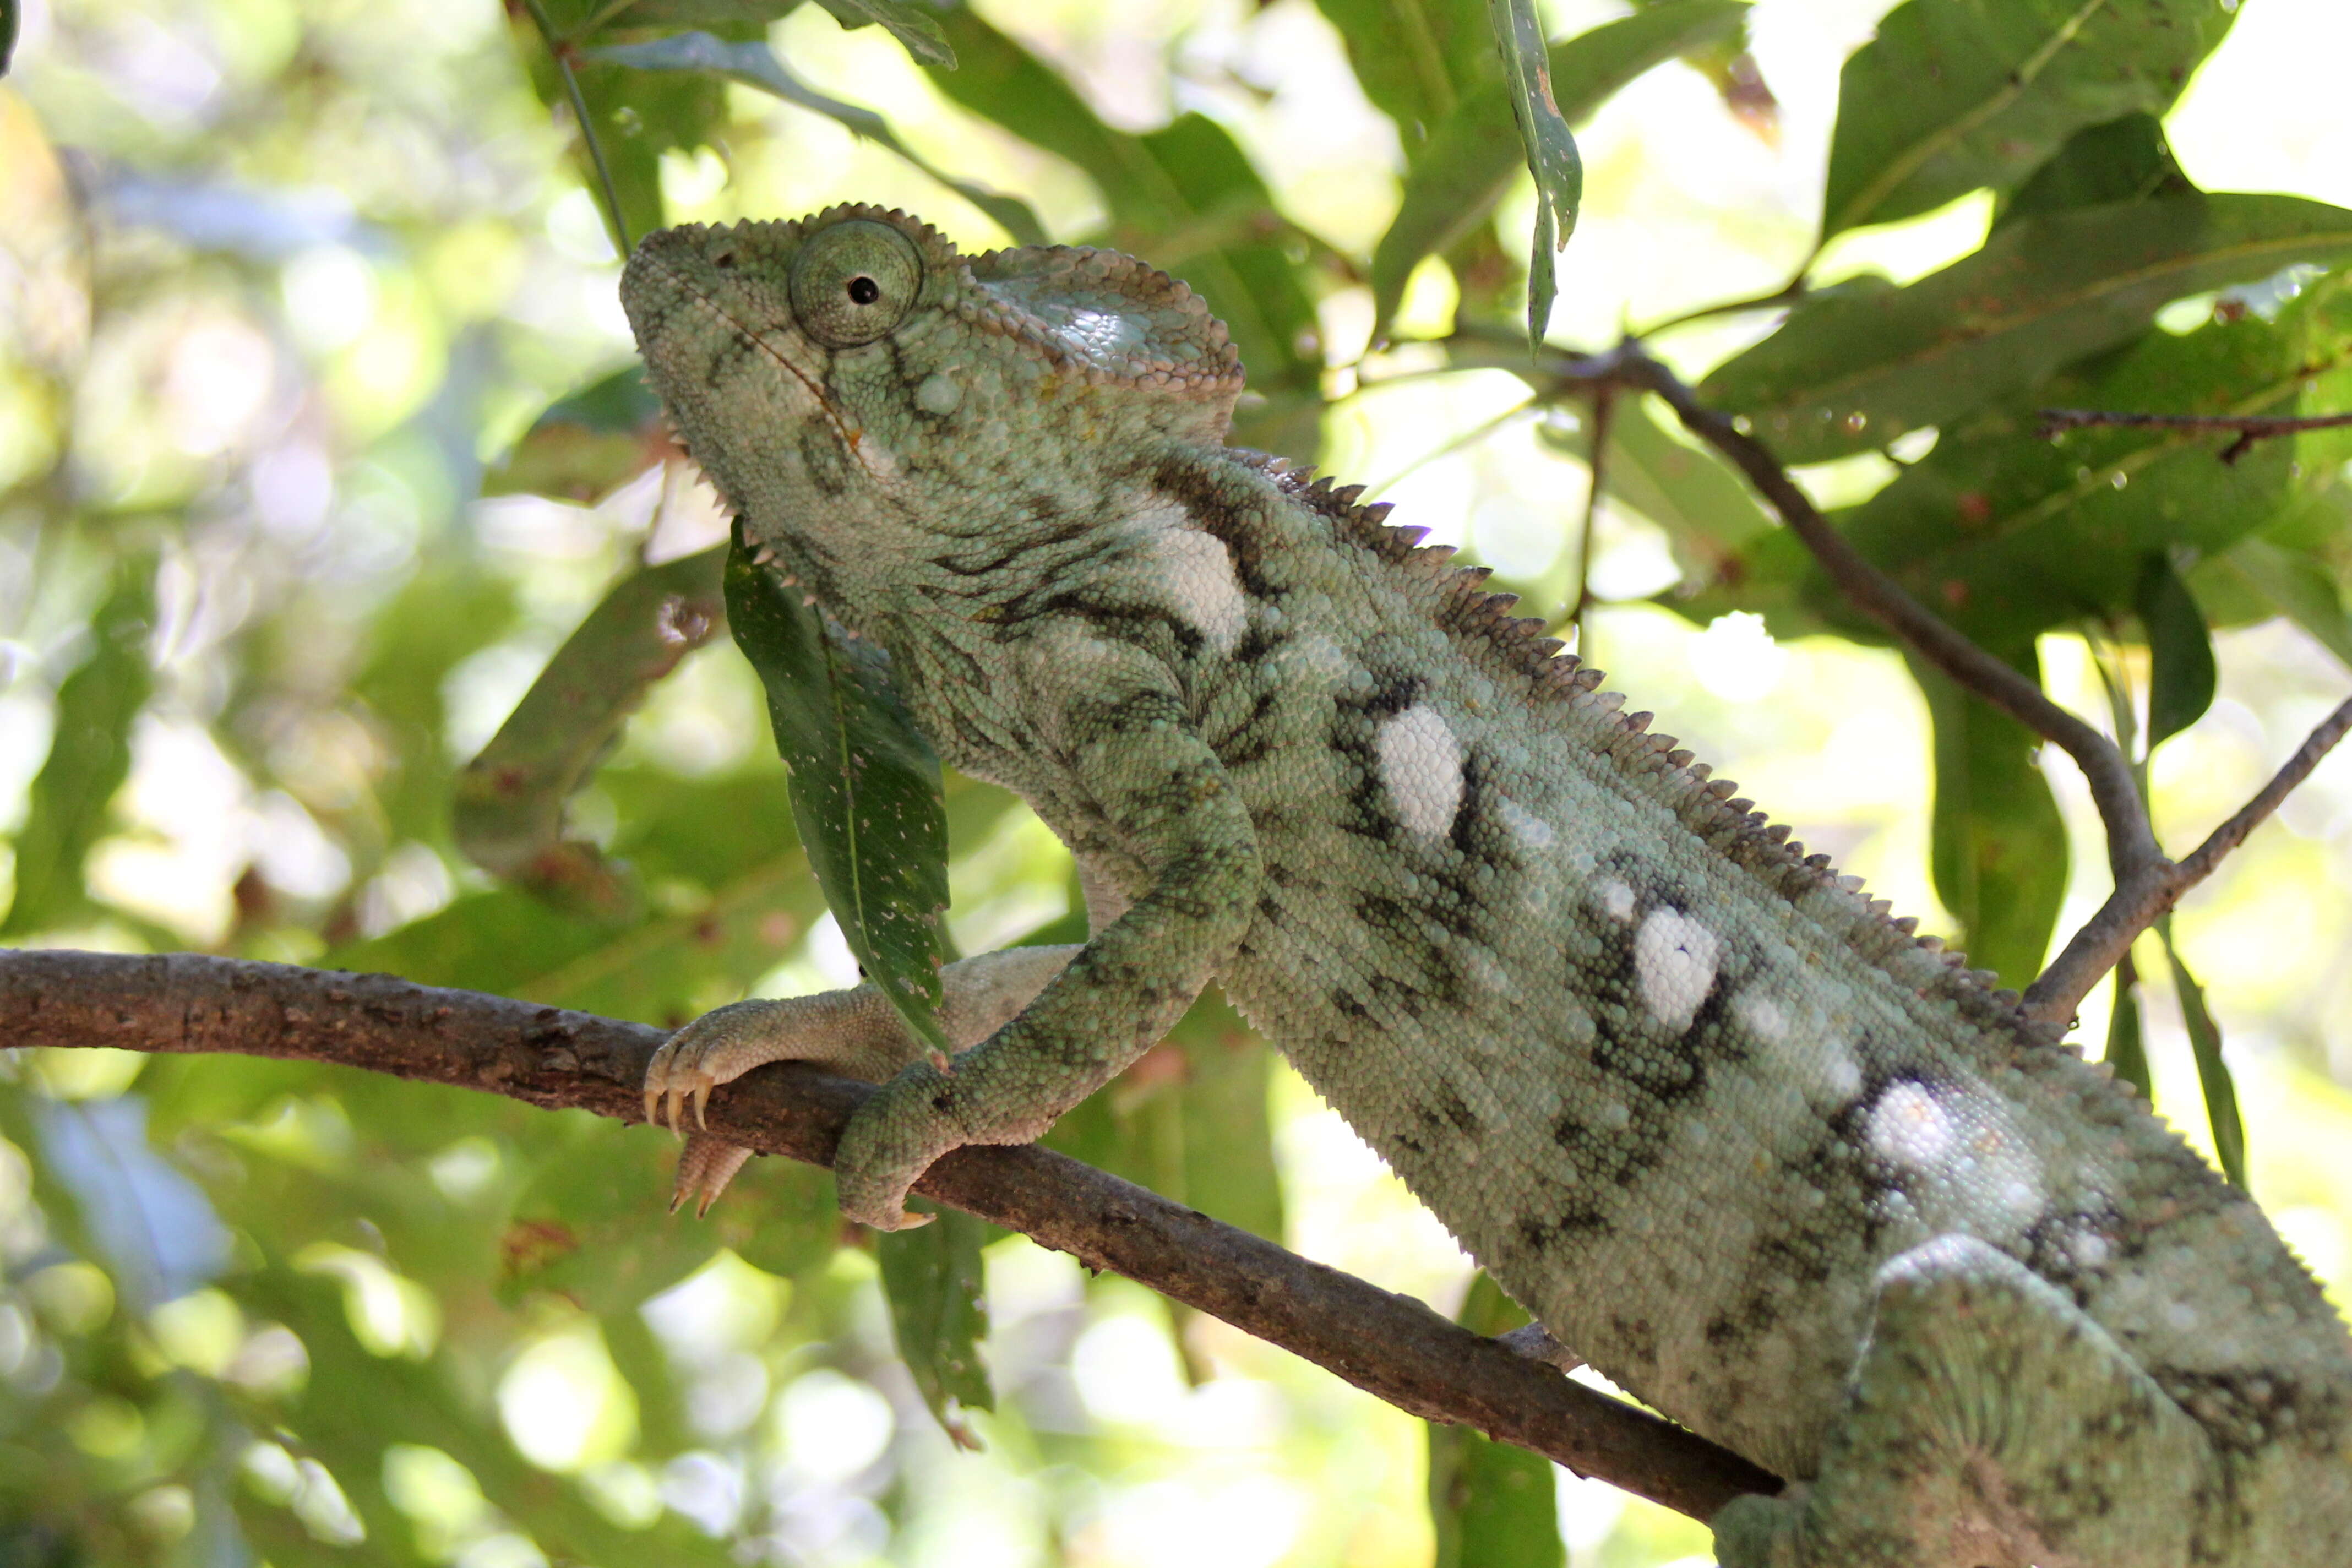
column 1775, row 1164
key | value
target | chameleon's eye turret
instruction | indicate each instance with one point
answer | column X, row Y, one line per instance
column 855, row 281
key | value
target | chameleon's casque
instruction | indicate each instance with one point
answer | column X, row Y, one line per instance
column 1754, row 1150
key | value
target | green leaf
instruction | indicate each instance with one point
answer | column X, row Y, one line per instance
column 585, row 444
column 632, row 119
column 2006, row 533
column 588, row 1225
column 865, row 785
column 1185, row 198
column 916, row 30
column 1708, row 513
column 1415, row 60
column 2291, row 583
column 2181, row 676
column 1950, row 98
column 1998, row 845
column 1491, row 1505
column 89, row 757
column 939, row 1314
column 1853, row 371
column 2125, row 160
column 1472, row 153
column 1552, row 157
column 2212, row 1072
column 2127, row 1052
column 511, row 800
column 8, row 33
column 753, row 64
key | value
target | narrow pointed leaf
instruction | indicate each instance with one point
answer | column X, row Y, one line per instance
column 1850, row 373
column 2127, row 1052
column 1948, row 98
column 89, row 757
column 865, row 785
column 1470, row 156
column 916, row 30
column 1997, row 844
column 586, row 445
column 510, row 809
column 753, row 64
column 2212, row 1073
column 933, row 1277
column 2181, row 676
column 1490, row 1505
column 1552, row 154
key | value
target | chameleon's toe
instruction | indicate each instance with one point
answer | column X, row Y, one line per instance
column 687, row 1067
column 705, row 1166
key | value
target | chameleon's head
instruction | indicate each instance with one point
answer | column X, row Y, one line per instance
column 856, row 388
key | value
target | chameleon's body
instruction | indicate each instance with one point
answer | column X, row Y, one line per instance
column 1747, row 1146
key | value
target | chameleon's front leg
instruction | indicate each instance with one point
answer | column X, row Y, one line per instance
column 1167, row 795
column 855, row 1033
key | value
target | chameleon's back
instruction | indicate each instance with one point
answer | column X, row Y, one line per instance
column 1683, row 1093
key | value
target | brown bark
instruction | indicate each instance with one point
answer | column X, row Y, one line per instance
column 1389, row 1346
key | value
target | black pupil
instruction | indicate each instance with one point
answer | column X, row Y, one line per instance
column 864, row 290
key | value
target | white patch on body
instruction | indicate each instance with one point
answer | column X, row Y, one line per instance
column 1421, row 764
column 938, row 392
column 1760, row 1016
column 1907, row 1127
column 1525, row 828
column 1676, row 958
column 1198, row 573
column 1618, row 900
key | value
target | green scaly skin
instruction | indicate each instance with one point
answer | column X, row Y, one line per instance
column 1771, row 1162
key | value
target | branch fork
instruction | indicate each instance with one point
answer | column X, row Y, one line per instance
column 2146, row 883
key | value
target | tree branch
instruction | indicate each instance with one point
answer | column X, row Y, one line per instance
column 2149, row 893
column 2146, row 884
column 1389, row 1346
column 2250, row 427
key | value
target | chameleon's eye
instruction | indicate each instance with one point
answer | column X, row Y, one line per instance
column 854, row 283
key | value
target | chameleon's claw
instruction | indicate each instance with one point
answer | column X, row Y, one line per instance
column 701, row 1098
column 705, row 1166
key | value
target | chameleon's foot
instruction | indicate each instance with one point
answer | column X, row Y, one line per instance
column 891, row 1141
column 705, row 1166
column 718, row 1047
column 1760, row 1531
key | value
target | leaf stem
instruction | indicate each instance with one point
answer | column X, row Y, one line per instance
column 2250, row 427
column 560, row 51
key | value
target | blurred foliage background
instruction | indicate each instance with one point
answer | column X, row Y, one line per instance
column 317, row 440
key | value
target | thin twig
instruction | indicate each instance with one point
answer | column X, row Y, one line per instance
column 1391, row 1346
column 2146, row 884
column 2141, row 899
column 1596, row 466
column 2250, row 427
column 2130, row 841
column 560, row 51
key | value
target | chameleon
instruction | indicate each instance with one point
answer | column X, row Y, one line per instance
column 1764, row 1156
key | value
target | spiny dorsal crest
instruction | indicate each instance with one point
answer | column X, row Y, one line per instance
column 1711, row 807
